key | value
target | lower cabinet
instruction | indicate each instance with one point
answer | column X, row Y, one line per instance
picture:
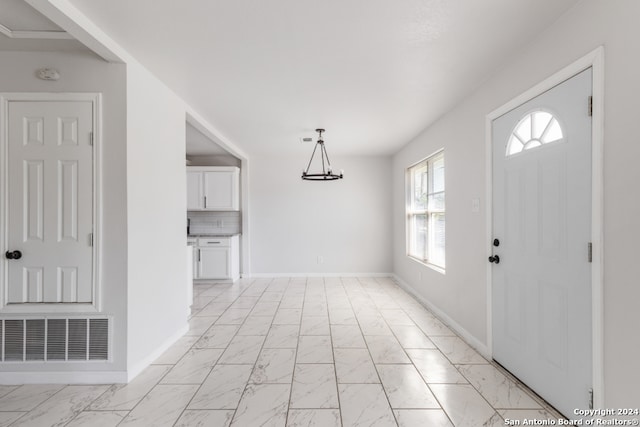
column 215, row 263
column 217, row 258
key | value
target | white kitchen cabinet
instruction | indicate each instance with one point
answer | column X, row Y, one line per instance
column 217, row 258
column 195, row 191
column 213, row 188
column 215, row 263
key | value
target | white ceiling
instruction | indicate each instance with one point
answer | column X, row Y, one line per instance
column 200, row 145
column 19, row 16
column 24, row 28
column 373, row 73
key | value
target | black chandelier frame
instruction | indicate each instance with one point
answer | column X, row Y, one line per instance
column 327, row 172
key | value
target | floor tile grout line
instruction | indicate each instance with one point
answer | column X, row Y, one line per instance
column 462, row 374
column 458, row 364
column 427, row 384
column 421, row 377
column 538, row 399
column 12, row 389
column 384, row 391
column 295, row 359
column 19, row 418
column 371, row 291
column 212, row 367
column 62, row 387
column 333, row 351
column 489, row 403
column 59, row 391
column 235, row 411
column 248, row 384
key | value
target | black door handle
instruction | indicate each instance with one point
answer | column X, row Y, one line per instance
column 494, row 259
column 13, row 255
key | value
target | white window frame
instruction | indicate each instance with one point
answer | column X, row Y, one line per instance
column 429, row 211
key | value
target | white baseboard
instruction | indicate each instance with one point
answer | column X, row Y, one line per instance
column 58, row 377
column 478, row 345
column 133, row 371
column 275, row 275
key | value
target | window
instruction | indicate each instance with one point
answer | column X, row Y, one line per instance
column 425, row 211
column 534, row 130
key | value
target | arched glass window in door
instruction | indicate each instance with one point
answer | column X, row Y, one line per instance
column 534, row 130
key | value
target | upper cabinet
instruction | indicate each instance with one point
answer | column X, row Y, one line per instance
column 213, row 188
column 195, row 190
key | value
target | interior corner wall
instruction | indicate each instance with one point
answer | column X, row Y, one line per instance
column 306, row 227
column 156, row 215
column 461, row 293
column 84, row 72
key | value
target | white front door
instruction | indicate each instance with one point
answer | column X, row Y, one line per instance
column 50, row 202
column 541, row 290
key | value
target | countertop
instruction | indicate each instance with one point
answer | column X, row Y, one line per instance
column 213, row 235
column 192, row 238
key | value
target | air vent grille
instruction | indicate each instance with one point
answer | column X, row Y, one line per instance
column 34, row 345
column 13, row 340
column 57, row 339
column 99, row 339
column 77, row 343
column 73, row 339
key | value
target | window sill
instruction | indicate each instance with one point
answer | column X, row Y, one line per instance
column 434, row 267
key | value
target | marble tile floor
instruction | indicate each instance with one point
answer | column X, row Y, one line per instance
column 295, row 352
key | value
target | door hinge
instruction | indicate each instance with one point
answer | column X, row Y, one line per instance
column 590, row 106
column 90, row 239
column 590, row 252
column 590, row 398
column 91, row 138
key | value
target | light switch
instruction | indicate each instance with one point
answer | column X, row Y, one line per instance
column 475, row 205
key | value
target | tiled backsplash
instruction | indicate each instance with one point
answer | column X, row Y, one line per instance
column 215, row 222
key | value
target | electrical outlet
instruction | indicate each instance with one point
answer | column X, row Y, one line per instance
column 320, row 259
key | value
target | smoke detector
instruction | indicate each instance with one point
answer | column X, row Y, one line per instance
column 48, row 74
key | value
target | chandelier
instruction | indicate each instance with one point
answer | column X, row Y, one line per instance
column 327, row 173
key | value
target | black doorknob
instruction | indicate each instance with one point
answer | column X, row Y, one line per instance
column 495, row 259
column 13, row 255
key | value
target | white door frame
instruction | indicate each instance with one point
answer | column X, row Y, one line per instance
column 594, row 60
column 205, row 128
column 96, row 305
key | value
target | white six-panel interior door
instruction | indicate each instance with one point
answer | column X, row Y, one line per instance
column 49, row 202
column 541, row 286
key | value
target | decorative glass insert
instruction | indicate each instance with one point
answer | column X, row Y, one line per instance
column 534, row 130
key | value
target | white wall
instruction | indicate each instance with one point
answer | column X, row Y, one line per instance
column 156, row 211
column 461, row 293
column 84, row 72
column 292, row 221
column 217, row 160
column 144, row 202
